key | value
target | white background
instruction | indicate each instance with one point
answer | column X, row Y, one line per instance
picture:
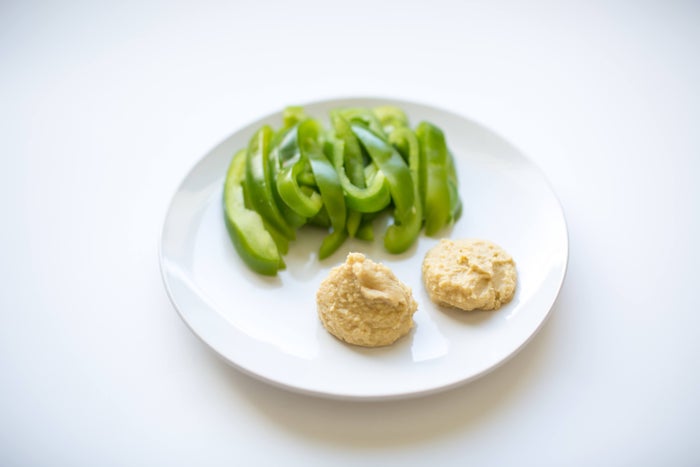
column 104, row 107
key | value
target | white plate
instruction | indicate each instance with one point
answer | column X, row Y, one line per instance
column 268, row 327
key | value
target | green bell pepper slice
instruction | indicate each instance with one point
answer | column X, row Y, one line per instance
column 293, row 115
column 285, row 144
column 331, row 243
column 406, row 142
column 302, row 200
column 391, row 118
column 362, row 193
column 305, row 202
column 437, row 197
column 352, row 160
column 324, row 173
column 282, row 150
column 407, row 219
column 365, row 117
column 366, row 229
column 246, row 229
column 258, row 182
column 354, row 219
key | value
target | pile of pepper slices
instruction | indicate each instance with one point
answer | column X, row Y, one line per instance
column 340, row 179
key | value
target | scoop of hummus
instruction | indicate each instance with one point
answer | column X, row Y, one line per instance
column 363, row 303
column 469, row 274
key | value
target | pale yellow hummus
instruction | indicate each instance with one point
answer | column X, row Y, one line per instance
column 363, row 303
column 469, row 274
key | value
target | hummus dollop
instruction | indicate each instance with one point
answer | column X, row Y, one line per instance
column 469, row 274
column 363, row 303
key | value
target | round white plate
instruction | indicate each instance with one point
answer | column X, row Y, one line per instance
column 268, row 327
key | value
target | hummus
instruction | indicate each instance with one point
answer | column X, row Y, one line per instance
column 469, row 274
column 363, row 303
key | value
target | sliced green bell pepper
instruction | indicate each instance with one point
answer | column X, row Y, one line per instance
column 407, row 144
column 363, row 116
column 407, row 220
column 390, row 117
column 258, row 182
column 282, row 150
column 304, row 201
column 293, row 115
column 324, row 173
column 362, row 193
column 252, row 241
column 331, row 243
column 437, row 197
column 352, row 160
column 354, row 218
column 340, row 179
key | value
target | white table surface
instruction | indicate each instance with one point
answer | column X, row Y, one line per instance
column 104, row 108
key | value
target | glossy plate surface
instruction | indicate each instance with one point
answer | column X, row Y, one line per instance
column 268, row 327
